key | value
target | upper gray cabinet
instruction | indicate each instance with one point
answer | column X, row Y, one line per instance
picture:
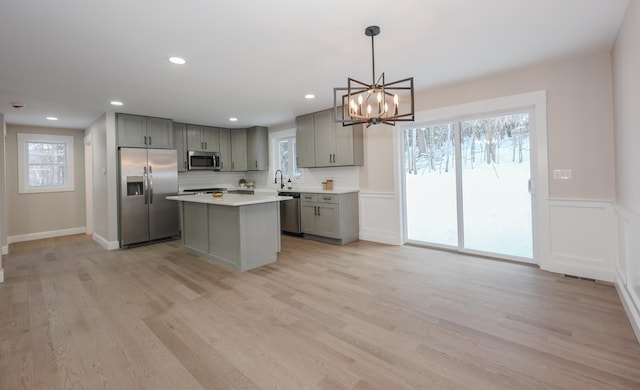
column 257, row 149
column 322, row 143
column 203, row 138
column 144, row 132
column 225, row 149
column 239, row 150
column 305, row 141
column 180, row 141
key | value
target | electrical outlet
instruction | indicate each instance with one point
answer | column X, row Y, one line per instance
column 562, row 174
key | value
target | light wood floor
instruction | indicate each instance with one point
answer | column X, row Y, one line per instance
column 360, row 316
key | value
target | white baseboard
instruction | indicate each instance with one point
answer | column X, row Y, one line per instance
column 5, row 250
column 632, row 310
column 1, row 275
column 49, row 234
column 106, row 244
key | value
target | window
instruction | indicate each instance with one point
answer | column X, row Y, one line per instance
column 45, row 163
column 286, row 158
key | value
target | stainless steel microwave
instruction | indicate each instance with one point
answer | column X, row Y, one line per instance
column 204, row 160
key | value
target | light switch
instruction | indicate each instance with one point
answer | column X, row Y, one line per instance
column 562, row 174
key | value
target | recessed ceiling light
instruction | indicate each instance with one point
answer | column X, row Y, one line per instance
column 116, row 103
column 177, row 60
column 309, row 96
column 233, row 119
column 52, row 118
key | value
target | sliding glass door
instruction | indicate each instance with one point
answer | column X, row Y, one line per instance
column 466, row 184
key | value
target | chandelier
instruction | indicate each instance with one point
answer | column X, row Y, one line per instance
column 374, row 103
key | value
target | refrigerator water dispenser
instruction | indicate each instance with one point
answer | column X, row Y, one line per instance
column 134, row 186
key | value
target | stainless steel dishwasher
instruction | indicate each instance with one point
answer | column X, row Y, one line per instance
column 290, row 213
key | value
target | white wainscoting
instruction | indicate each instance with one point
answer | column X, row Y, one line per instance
column 628, row 265
column 380, row 220
column 49, row 234
column 581, row 239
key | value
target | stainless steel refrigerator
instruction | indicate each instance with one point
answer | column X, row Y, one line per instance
column 147, row 177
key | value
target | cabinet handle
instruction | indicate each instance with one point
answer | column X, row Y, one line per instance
column 149, row 140
column 205, row 146
column 145, row 139
column 318, row 210
column 256, row 164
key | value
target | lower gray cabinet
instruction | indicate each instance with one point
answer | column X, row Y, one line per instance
column 330, row 216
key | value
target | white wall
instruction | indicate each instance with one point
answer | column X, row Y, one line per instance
column 3, row 203
column 626, row 68
column 102, row 133
column 32, row 216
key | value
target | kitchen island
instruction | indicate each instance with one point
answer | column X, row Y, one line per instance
column 241, row 232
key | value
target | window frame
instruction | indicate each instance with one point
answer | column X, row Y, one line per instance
column 292, row 162
column 23, row 164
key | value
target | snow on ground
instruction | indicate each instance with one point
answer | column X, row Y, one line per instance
column 496, row 208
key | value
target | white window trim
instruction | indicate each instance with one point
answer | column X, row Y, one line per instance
column 275, row 152
column 539, row 159
column 23, row 175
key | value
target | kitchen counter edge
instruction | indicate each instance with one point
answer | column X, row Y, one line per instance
column 229, row 199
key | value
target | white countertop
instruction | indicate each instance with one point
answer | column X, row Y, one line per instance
column 319, row 190
column 229, row 199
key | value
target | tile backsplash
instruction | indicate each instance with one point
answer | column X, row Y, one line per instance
column 342, row 177
column 213, row 179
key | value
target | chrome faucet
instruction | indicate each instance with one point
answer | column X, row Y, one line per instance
column 281, row 179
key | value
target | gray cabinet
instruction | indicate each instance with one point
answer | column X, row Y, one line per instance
column 195, row 227
column 239, row 150
column 180, row 142
column 322, row 143
column 225, row 150
column 257, row 148
column 324, row 138
column 203, row 138
column 137, row 131
column 332, row 217
column 305, row 141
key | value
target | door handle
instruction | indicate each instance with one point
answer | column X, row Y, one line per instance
column 150, row 185
column 145, row 187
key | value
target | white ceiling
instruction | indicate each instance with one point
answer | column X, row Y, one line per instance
column 256, row 59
